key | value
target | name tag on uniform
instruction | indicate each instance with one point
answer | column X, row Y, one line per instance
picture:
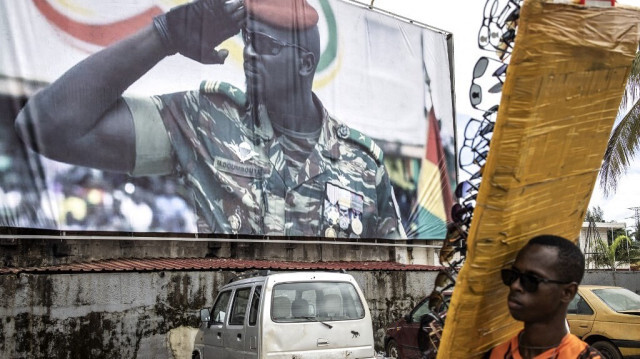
column 240, row 169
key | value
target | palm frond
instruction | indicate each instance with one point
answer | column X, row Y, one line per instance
column 601, row 257
column 623, row 145
column 632, row 90
column 617, row 242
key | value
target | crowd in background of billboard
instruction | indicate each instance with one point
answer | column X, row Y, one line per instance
column 80, row 198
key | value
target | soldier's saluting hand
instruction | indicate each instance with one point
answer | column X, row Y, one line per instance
column 196, row 29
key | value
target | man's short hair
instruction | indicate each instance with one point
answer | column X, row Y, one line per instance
column 570, row 263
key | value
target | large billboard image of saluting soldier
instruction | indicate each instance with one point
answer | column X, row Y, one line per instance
column 266, row 157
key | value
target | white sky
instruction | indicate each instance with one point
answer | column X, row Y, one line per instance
column 463, row 18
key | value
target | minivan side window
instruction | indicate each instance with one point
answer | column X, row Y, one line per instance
column 220, row 308
column 255, row 306
column 239, row 306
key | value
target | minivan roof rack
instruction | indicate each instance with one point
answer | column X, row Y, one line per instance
column 250, row 274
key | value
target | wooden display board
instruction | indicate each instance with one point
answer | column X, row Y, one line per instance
column 563, row 87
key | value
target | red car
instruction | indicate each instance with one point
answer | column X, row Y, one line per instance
column 416, row 335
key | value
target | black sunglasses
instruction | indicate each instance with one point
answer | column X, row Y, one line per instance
column 461, row 214
column 465, row 189
column 264, row 44
column 529, row 282
column 480, row 68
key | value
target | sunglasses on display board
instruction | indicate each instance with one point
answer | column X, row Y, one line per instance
column 473, row 158
column 498, row 72
column 499, row 18
column 466, row 192
column 478, row 130
column 462, row 214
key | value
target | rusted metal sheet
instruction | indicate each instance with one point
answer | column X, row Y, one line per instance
column 158, row 264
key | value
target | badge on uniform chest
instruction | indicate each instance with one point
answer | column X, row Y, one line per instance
column 244, row 151
column 342, row 212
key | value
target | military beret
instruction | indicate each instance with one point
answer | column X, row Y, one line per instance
column 285, row 14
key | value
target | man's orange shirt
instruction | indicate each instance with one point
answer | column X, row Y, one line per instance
column 571, row 347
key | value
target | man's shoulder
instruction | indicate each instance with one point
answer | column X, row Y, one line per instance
column 358, row 140
column 576, row 348
column 501, row 350
column 570, row 347
column 223, row 91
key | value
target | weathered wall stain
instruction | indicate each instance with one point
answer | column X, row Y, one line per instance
column 130, row 315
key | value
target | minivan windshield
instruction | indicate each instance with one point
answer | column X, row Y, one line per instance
column 315, row 301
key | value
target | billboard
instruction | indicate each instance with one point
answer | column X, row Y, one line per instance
column 318, row 118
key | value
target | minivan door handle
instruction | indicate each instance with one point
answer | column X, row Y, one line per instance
column 239, row 336
column 323, row 342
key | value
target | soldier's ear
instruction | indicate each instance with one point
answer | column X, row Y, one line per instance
column 306, row 63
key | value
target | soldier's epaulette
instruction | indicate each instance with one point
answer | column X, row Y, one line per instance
column 226, row 89
column 361, row 139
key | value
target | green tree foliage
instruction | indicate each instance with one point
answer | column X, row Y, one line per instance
column 594, row 214
column 624, row 142
column 621, row 250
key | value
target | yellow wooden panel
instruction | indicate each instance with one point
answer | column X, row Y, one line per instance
column 563, row 87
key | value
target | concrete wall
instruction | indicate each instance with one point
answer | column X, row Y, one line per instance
column 626, row 279
column 130, row 315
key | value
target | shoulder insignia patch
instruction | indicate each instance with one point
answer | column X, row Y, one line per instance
column 361, row 139
column 226, row 89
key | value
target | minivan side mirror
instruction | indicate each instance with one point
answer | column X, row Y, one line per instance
column 205, row 316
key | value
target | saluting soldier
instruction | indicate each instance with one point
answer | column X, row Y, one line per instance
column 270, row 161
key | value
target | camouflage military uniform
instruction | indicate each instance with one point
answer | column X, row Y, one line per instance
column 237, row 171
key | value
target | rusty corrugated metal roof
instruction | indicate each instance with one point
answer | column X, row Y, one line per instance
column 191, row 264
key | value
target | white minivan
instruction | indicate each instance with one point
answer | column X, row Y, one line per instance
column 287, row 315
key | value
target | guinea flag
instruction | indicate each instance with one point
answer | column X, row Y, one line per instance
column 429, row 218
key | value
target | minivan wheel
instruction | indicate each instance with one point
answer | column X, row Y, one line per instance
column 392, row 349
column 195, row 355
column 607, row 349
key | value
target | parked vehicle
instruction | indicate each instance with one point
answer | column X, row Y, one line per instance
column 608, row 318
column 287, row 315
column 417, row 334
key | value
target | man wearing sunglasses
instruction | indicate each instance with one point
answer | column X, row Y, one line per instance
column 270, row 161
column 542, row 282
